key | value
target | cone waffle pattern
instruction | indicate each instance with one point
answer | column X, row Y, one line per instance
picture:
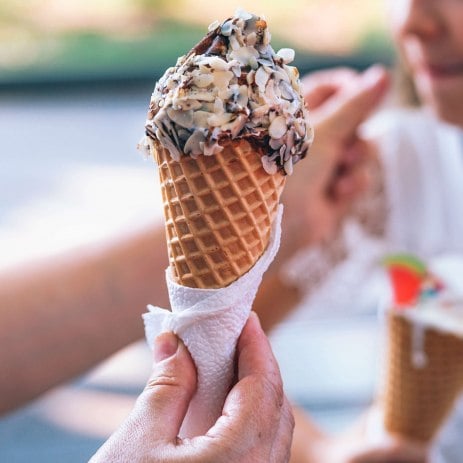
column 417, row 400
column 219, row 212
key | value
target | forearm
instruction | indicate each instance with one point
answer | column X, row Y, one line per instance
column 277, row 296
column 296, row 272
column 274, row 300
column 60, row 317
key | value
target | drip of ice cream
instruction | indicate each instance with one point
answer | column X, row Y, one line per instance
column 438, row 303
column 231, row 85
column 441, row 303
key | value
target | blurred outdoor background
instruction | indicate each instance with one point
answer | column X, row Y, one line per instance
column 44, row 41
column 75, row 82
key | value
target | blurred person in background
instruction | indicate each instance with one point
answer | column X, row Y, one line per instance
column 393, row 184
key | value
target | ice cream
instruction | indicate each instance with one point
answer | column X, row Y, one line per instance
column 232, row 85
column 424, row 369
column 226, row 125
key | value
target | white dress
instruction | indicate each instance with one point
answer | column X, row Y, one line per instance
column 417, row 207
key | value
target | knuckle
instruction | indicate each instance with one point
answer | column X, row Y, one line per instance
column 275, row 386
column 161, row 389
column 164, row 379
column 289, row 423
column 281, row 450
column 222, row 450
column 290, row 416
column 270, row 392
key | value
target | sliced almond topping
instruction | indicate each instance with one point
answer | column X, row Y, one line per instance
column 278, row 127
column 261, row 79
column 245, row 55
column 217, row 120
column 192, row 146
column 286, row 54
column 260, row 111
column 250, row 77
column 203, row 80
column 251, row 39
column 243, row 97
column 238, row 88
column 300, row 128
column 234, row 44
column 276, row 143
column 185, row 105
column 222, row 78
column 288, row 166
column 286, row 91
column 269, row 165
column 200, row 118
column 218, row 106
column 182, row 118
column 227, row 28
column 217, row 63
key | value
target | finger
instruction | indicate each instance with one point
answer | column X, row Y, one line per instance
column 354, row 173
column 164, row 402
column 281, row 449
column 320, row 85
column 353, row 155
column 255, row 402
column 352, row 106
column 350, row 184
column 356, row 153
column 247, row 425
column 255, row 355
column 335, row 77
column 316, row 96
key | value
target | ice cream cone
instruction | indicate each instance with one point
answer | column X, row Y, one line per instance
column 218, row 211
column 418, row 398
column 226, row 125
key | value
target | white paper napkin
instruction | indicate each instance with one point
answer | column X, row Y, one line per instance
column 209, row 322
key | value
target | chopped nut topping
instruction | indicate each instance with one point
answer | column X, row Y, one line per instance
column 231, row 85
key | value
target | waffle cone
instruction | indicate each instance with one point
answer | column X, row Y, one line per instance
column 418, row 400
column 218, row 211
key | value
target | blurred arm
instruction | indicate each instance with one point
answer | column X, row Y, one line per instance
column 308, row 440
column 61, row 316
column 310, row 445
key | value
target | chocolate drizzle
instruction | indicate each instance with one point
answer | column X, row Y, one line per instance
column 232, row 85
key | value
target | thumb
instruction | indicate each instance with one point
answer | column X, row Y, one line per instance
column 169, row 390
column 344, row 113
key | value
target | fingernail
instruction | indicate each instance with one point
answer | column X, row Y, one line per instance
column 165, row 346
column 373, row 75
column 254, row 319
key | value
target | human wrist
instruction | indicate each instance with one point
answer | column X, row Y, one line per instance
column 319, row 450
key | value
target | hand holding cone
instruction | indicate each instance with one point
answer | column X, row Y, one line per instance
column 226, row 126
